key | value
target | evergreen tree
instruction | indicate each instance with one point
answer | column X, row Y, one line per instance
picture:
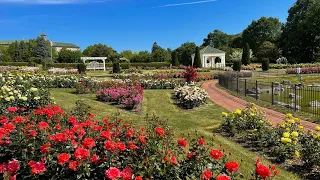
column 42, row 48
column 175, row 59
column 24, row 51
column 155, row 47
column 246, row 54
column 16, row 55
column 197, row 59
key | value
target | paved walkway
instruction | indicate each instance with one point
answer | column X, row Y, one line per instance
column 232, row 103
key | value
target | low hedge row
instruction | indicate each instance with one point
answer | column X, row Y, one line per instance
column 14, row 64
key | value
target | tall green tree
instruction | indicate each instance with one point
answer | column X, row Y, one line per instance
column 300, row 40
column 197, row 59
column 68, row 56
column 160, row 55
column 246, row 54
column 4, row 54
column 127, row 54
column 268, row 50
column 99, row 50
column 264, row 29
column 24, row 51
column 42, row 49
column 155, row 47
column 185, row 51
column 175, row 58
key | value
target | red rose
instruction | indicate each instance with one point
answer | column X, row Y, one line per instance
column 3, row 167
column 88, row 143
column 81, row 154
column 13, row 167
column 58, row 126
column 223, row 177
column 45, row 149
column 110, row 145
column 9, row 127
column 201, row 141
column 32, row 133
column 106, row 135
column 263, row 171
column 174, row 160
column 113, row 173
column 43, row 125
column 207, row 174
column 129, row 133
column 159, row 131
column 131, row 145
column 38, row 168
column 232, row 166
column 190, row 155
column 94, row 158
column 12, row 109
column 72, row 120
column 216, row 154
column 182, row 142
column 138, row 178
column 13, row 177
column 63, row 158
column 126, row 173
column 73, row 165
column 60, row 137
column 121, row 146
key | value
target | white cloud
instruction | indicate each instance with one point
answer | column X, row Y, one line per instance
column 51, row 1
column 186, row 3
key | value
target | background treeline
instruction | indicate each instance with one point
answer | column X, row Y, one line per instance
column 265, row 39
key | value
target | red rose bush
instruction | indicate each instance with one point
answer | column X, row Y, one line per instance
column 49, row 143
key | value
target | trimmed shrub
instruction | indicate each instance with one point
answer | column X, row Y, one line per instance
column 265, row 64
column 116, row 67
column 125, row 65
column 236, row 65
column 13, row 63
column 63, row 65
column 81, row 68
column 197, row 59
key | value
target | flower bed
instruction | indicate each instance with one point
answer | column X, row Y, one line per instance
column 190, row 96
column 287, row 141
column 24, row 96
column 51, row 144
column 128, row 96
column 310, row 70
column 62, row 71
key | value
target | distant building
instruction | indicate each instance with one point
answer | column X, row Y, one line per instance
column 56, row 45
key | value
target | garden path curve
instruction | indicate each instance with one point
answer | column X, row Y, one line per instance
column 232, row 103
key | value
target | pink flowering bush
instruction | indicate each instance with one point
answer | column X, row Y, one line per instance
column 128, row 96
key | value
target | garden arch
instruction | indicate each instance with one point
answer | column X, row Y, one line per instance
column 93, row 64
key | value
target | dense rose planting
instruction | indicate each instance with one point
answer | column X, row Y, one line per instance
column 129, row 96
column 51, row 144
column 286, row 142
column 190, row 96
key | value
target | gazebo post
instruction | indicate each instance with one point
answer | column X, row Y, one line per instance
column 104, row 64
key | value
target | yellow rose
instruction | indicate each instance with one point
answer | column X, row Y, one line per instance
column 289, row 116
column 224, row 114
column 294, row 134
column 238, row 111
column 251, row 114
column 36, row 98
column 318, row 128
column 297, row 153
column 286, row 135
column 291, row 121
column 300, row 127
column 285, row 140
column 34, row 89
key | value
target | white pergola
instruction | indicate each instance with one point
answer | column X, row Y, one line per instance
column 94, row 64
column 211, row 57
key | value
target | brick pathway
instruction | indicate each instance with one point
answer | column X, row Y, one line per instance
column 232, row 103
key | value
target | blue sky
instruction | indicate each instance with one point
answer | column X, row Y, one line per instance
column 132, row 24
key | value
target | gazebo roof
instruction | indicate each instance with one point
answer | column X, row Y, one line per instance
column 210, row 50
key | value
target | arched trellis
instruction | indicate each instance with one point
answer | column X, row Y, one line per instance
column 94, row 64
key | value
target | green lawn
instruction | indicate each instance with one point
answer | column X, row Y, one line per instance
column 159, row 102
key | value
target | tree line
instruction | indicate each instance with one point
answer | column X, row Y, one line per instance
column 265, row 39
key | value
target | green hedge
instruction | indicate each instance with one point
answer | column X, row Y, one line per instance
column 62, row 65
column 14, row 64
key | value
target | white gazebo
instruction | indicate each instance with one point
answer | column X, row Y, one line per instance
column 94, row 64
column 211, row 57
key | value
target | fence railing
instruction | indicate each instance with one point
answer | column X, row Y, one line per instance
column 298, row 97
